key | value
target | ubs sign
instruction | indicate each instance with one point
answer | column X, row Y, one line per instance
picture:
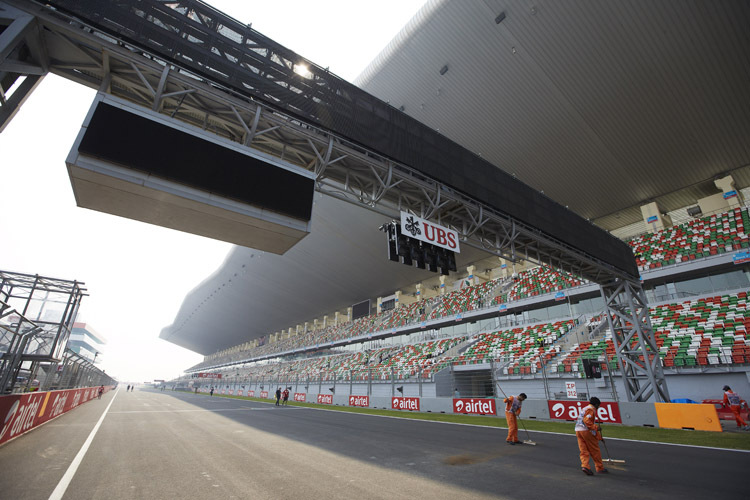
column 424, row 230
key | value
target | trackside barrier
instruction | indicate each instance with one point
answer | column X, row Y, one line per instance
column 19, row 413
column 688, row 416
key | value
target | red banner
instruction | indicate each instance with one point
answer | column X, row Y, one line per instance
column 474, row 406
column 22, row 412
column 264, row 394
column 405, row 404
column 251, row 394
column 363, row 401
column 325, row 399
column 569, row 410
column 300, row 396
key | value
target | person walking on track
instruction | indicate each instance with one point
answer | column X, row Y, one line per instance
column 734, row 402
column 512, row 410
column 589, row 434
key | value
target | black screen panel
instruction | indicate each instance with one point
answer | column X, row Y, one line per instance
column 361, row 310
column 133, row 141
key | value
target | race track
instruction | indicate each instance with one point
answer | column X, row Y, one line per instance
column 174, row 445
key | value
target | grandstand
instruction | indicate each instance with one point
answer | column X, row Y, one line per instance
column 699, row 315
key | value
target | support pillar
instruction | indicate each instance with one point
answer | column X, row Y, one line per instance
column 470, row 275
column 729, row 191
column 635, row 343
column 442, row 285
column 505, row 268
column 653, row 217
column 19, row 38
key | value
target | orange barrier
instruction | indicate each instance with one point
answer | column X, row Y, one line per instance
column 687, row 416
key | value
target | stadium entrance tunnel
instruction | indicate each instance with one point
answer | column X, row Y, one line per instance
column 132, row 162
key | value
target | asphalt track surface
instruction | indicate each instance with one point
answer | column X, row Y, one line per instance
column 164, row 445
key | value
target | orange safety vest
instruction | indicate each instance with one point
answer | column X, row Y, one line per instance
column 732, row 398
column 512, row 405
column 585, row 420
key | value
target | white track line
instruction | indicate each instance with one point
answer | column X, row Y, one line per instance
column 68, row 476
column 246, row 408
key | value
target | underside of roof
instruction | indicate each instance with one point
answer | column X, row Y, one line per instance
column 604, row 106
column 343, row 261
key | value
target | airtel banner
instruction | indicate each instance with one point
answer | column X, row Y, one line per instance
column 251, row 394
column 476, row 406
column 325, row 399
column 22, row 412
column 264, row 394
column 405, row 404
column 424, row 230
column 569, row 410
column 363, row 401
column 300, row 396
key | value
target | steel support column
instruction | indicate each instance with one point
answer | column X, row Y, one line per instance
column 635, row 344
column 23, row 60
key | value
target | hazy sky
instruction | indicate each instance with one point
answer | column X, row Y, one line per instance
column 137, row 274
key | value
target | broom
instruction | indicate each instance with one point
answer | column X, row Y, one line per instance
column 528, row 440
column 608, row 460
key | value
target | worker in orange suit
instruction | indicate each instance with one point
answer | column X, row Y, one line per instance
column 589, row 434
column 732, row 400
column 512, row 410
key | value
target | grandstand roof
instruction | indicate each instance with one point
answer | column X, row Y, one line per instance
column 604, row 106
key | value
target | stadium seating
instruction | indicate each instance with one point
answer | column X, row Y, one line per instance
column 711, row 235
column 519, row 346
column 542, row 280
column 699, row 332
column 404, row 315
column 707, row 331
column 468, row 298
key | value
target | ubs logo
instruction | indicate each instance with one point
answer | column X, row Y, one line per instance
column 412, row 226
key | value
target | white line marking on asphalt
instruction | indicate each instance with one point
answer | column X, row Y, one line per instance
column 244, row 408
column 59, row 491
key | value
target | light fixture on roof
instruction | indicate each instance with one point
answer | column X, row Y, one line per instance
column 444, row 70
column 500, row 17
